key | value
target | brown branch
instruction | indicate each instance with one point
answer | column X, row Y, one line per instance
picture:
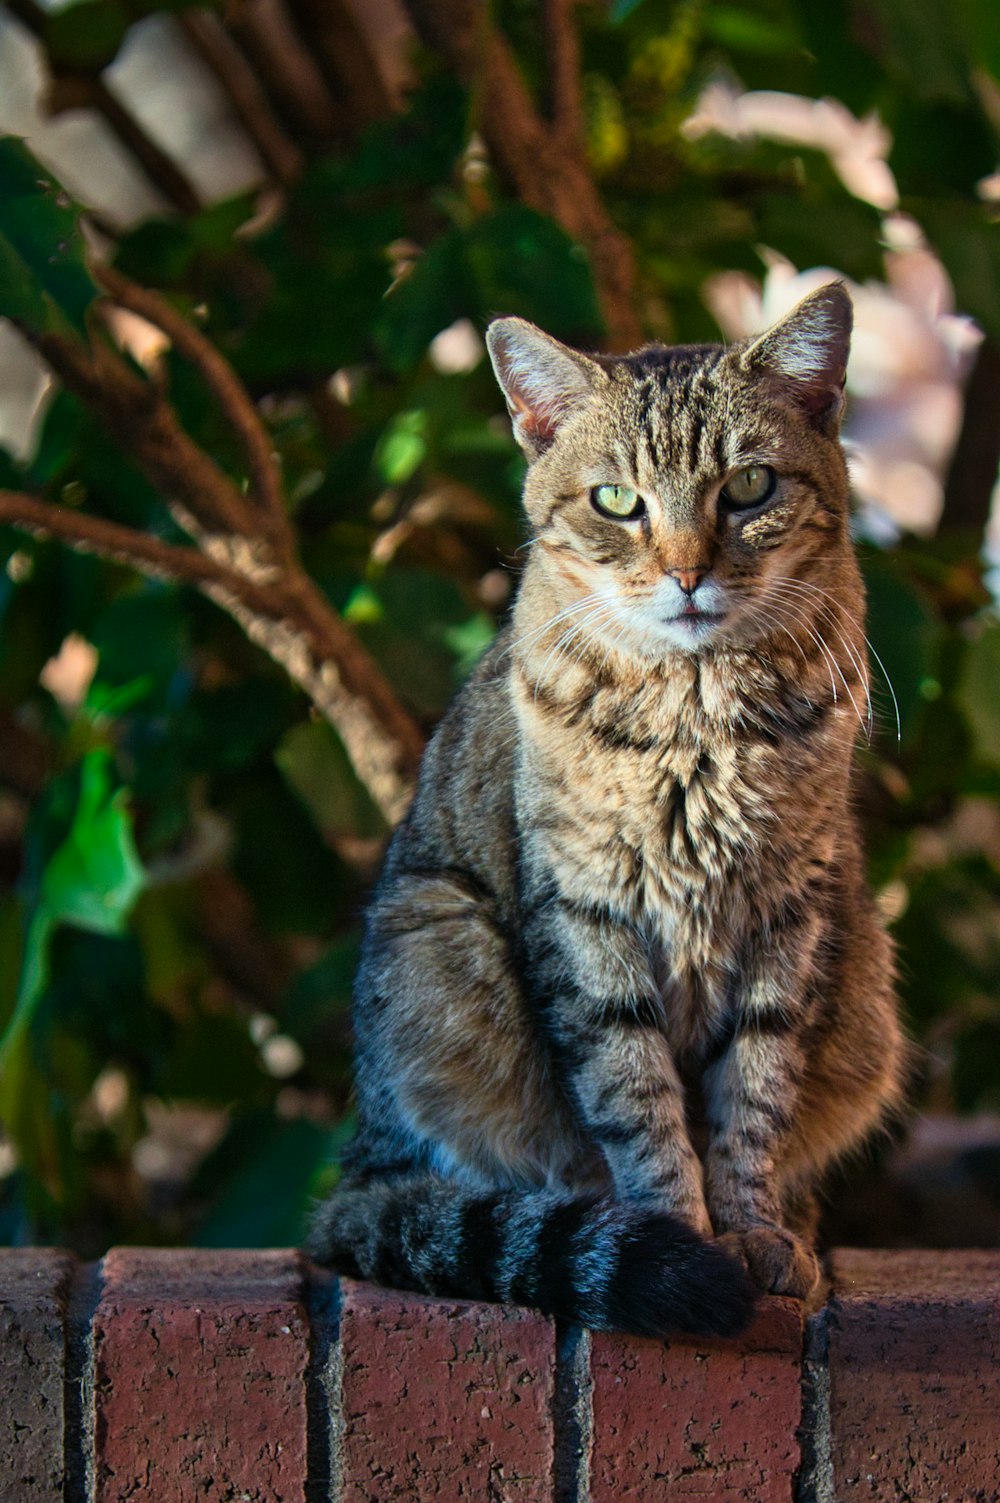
column 161, row 169
column 343, row 52
column 275, row 601
column 232, row 396
column 290, row 76
column 285, row 614
column 126, row 545
column 82, row 88
column 145, row 425
column 972, row 474
column 272, row 597
column 530, row 154
column 563, row 55
column 249, row 103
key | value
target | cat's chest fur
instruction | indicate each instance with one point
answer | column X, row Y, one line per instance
column 666, row 802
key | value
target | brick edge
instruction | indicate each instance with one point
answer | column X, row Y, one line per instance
column 546, row 1440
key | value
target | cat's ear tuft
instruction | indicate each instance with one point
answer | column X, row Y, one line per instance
column 806, row 353
column 542, row 380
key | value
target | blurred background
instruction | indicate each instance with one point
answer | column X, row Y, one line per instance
column 337, row 195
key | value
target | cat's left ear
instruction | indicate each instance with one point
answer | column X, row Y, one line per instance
column 806, row 354
column 543, row 380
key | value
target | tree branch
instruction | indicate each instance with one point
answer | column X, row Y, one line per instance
column 161, row 169
column 533, row 156
column 249, row 102
column 232, row 396
column 236, row 563
column 348, row 63
column 293, row 82
column 563, row 50
column 972, row 474
column 140, row 419
column 286, row 615
column 125, row 545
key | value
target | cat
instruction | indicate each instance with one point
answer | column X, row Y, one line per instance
column 624, row 993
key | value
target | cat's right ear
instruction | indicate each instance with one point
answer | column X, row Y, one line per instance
column 542, row 380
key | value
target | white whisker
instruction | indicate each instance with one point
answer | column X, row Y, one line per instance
column 817, row 636
column 818, row 590
column 598, row 613
column 537, row 631
column 853, row 656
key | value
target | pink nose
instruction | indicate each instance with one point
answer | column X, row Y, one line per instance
column 688, row 579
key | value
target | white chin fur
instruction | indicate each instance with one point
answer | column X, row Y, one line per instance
column 689, row 635
column 649, row 637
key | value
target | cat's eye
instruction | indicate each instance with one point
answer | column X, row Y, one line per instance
column 751, row 486
column 619, row 501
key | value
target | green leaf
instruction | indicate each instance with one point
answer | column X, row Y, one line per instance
column 804, row 211
column 142, row 643
column 904, row 635
column 468, row 640
column 263, row 1175
column 297, row 882
column 841, row 65
column 523, row 263
column 742, row 32
column 402, row 448
column 319, row 999
column 978, row 693
column 213, row 1060
column 513, row 260
column 95, row 876
column 977, row 1067
column 314, row 763
column 941, row 148
column 413, row 639
column 45, row 285
column 433, row 294
column 91, row 879
column 923, row 41
column 86, row 34
column 408, row 154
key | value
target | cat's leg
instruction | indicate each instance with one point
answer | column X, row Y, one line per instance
column 801, row 1211
column 752, row 1092
column 815, row 1062
column 445, row 1044
column 594, row 987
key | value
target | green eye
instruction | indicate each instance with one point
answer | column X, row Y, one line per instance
column 751, row 486
column 619, row 501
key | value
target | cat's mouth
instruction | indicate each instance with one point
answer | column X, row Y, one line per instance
column 694, row 618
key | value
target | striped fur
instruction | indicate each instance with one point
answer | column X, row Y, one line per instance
column 623, row 989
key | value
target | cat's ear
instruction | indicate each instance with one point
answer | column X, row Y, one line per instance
column 805, row 355
column 542, row 380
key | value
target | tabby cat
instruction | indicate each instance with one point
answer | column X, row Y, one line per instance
column 624, row 993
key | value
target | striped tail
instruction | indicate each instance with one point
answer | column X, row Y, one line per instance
column 607, row 1264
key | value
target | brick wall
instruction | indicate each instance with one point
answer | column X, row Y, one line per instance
column 250, row 1377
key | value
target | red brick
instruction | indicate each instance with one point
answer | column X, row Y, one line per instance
column 914, row 1364
column 691, row 1418
column 34, row 1283
column 200, row 1361
column 443, row 1399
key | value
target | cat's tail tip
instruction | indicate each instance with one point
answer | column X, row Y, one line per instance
column 663, row 1266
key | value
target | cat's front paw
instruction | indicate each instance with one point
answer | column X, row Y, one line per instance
column 776, row 1260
